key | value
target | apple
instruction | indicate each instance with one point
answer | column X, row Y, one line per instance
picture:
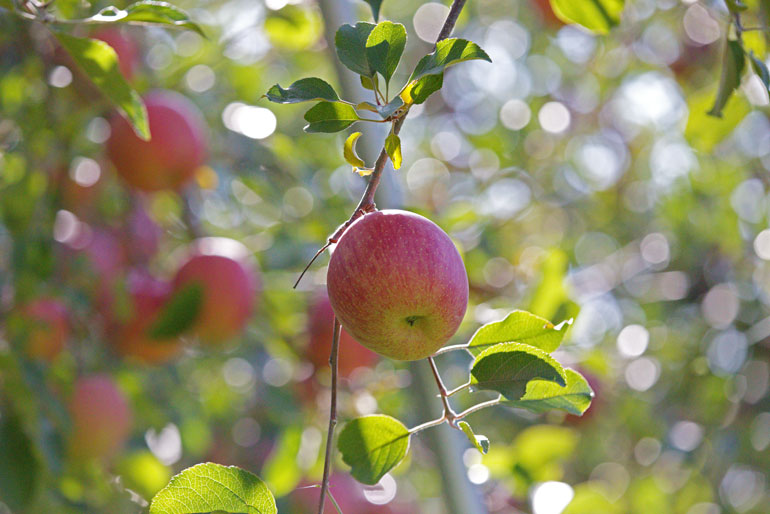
column 177, row 148
column 321, row 330
column 130, row 336
column 546, row 12
column 101, row 418
column 348, row 493
column 398, row 284
column 124, row 46
column 47, row 328
column 230, row 283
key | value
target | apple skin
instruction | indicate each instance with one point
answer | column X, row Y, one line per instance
column 177, row 148
column 124, row 46
column 48, row 323
column 101, row 418
column 148, row 296
column 546, row 12
column 398, row 284
column 321, row 330
column 230, row 281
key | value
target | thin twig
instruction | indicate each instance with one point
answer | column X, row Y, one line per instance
column 429, row 424
column 452, row 348
column 449, row 414
column 479, row 406
column 458, row 389
column 333, row 358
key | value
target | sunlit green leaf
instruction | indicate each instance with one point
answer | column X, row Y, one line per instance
column 704, row 132
column 760, row 68
column 372, row 446
column 179, row 314
column 543, row 395
column 384, row 47
column 448, row 53
column 508, row 367
column 520, row 327
column 151, row 12
column 417, row 91
column 350, row 42
column 280, row 471
column 100, row 63
column 596, row 15
column 330, row 117
column 212, row 487
column 733, row 61
column 480, row 442
column 393, row 147
column 303, row 90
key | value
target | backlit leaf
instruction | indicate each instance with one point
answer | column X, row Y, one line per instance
column 543, row 395
column 212, row 487
column 448, row 52
column 99, row 62
column 733, row 61
column 330, row 117
column 480, row 442
column 595, row 15
column 393, row 147
column 384, row 47
column 147, row 12
column 372, row 446
column 349, row 151
column 508, row 367
column 521, row 327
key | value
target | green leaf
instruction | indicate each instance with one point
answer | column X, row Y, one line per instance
column 417, row 91
column 148, row 12
column 375, row 5
column 542, row 395
column 385, row 111
column 211, row 487
column 179, row 314
column 595, row 15
column 367, row 82
column 384, row 47
column 479, row 441
column 99, row 61
column 736, row 6
column 760, row 69
column 349, row 151
column 281, row 472
column 448, row 53
column 704, row 132
column 508, row 367
column 521, row 327
column 303, row 90
column 733, row 60
column 372, row 446
column 350, row 42
column 393, row 147
column 330, row 117
column 19, row 467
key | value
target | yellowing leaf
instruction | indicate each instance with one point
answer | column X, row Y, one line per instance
column 393, row 147
column 349, row 151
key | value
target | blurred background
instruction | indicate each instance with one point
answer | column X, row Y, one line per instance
column 578, row 175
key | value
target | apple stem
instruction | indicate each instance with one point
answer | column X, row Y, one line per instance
column 333, row 358
column 367, row 199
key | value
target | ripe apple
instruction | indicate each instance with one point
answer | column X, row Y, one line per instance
column 547, row 14
column 124, row 46
column 101, row 418
column 321, row 330
column 227, row 274
column 147, row 298
column 398, row 284
column 177, row 148
column 46, row 328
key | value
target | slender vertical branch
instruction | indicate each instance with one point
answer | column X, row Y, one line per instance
column 449, row 414
column 451, row 19
column 333, row 359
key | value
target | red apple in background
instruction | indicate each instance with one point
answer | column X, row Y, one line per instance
column 142, row 234
column 101, row 418
column 124, row 46
column 228, row 276
column 177, row 148
column 547, row 14
column 398, row 284
column 130, row 337
column 46, row 328
column 320, row 328
column 350, row 496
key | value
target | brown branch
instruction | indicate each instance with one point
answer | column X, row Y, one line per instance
column 333, row 358
column 364, row 206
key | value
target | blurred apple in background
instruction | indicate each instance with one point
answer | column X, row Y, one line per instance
column 230, row 283
column 44, row 328
column 142, row 235
column 321, row 331
column 351, row 497
column 398, row 284
column 130, row 331
column 178, row 147
column 101, row 418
